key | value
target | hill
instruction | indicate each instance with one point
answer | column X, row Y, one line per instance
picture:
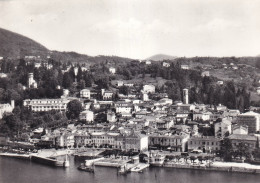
column 15, row 45
column 161, row 57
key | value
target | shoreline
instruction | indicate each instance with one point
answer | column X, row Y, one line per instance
column 216, row 166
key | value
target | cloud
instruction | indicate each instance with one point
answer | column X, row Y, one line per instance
column 217, row 24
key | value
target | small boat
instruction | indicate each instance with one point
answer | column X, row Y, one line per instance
column 137, row 169
column 85, row 168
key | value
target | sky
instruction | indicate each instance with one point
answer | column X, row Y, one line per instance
column 138, row 28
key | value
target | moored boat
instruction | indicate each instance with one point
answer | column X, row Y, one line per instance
column 85, row 168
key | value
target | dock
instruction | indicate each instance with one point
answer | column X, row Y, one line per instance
column 108, row 162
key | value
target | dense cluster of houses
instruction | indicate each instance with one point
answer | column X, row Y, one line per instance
column 139, row 123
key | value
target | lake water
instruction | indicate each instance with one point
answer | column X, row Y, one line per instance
column 24, row 171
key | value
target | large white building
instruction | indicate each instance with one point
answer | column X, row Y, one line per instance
column 6, row 108
column 39, row 105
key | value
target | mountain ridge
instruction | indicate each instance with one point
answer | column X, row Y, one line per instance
column 161, row 57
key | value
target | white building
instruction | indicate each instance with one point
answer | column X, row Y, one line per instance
column 222, row 128
column 6, row 108
column 148, row 62
column 39, row 105
column 148, row 89
column 119, row 83
column 185, row 67
column 165, row 64
column 31, row 82
column 123, row 107
column 220, row 82
column 205, row 73
column 240, row 130
column 87, row 116
column 111, row 117
column 3, row 75
column 106, row 95
column 112, row 70
column 85, row 93
column 258, row 90
column 65, row 92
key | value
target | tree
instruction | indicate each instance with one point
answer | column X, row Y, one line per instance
column 67, row 80
column 226, row 149
column 193, row 158
column 243, row 150
column 124, row 90
column 73, row 109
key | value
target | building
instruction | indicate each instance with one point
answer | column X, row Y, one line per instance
column 6, row 108
column 31, row 82
column 148, row 62
column 175, row 142
column 258, row 90
column 185, row 96
column 106, row 95
column 64, row 140
column 136, row 142
column 220, row 82
column 205, row 73
column 87, row 116
column 148, row 89
column 111, row 117
column 112, row 70
column 205, row 116
column 239, row 130
column 222, row 128
column 38, row 105
column 165, row 64
column 65, row 93
column 3, row 75
column 185, row 67
column 145, row 97
column 85, row 93
column 119, row 83
column 206, row 144
column 250, row 119
column 123, row 107
column 249, row 140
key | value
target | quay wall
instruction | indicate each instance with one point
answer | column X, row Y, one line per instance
column 208, row 168
column 46, row 161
